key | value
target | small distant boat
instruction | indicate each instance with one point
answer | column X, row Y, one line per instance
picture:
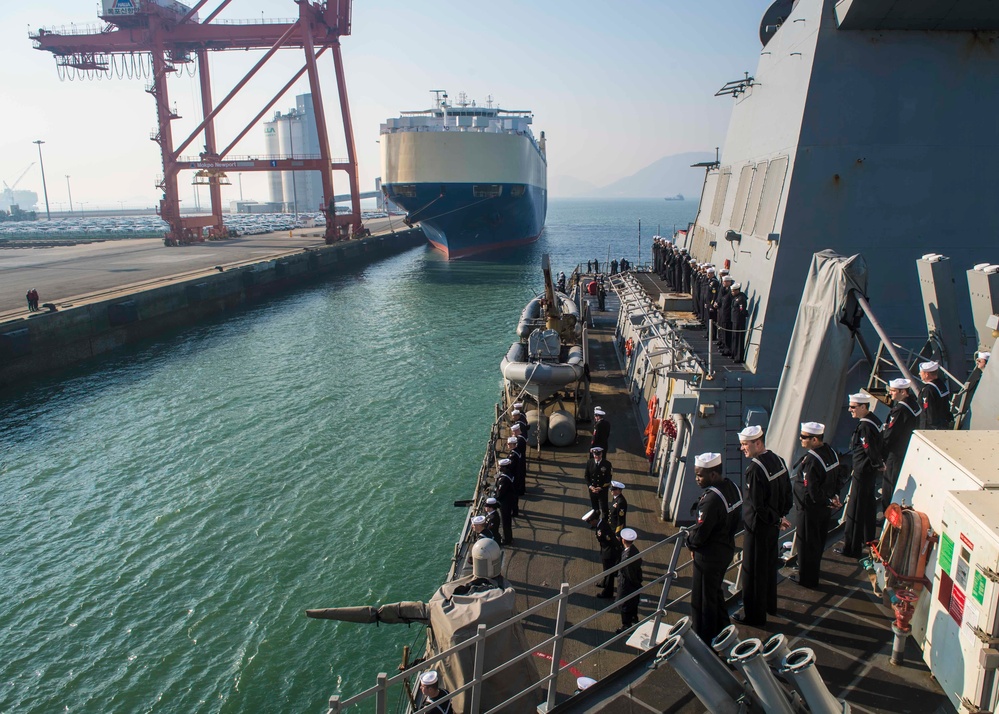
column 677, row 197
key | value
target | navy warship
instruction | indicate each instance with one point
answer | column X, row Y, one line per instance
column 858, row 148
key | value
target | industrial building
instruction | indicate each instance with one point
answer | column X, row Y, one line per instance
column 294, row 135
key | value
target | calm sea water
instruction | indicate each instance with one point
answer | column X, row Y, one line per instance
column 167, row 514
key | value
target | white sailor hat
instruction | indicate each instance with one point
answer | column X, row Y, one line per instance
column 983, row 355
column 711, row 270
column 599, row 412
column 929, row 366
column 518, row 405
column 516, row 426
column 900, row 383
column 596, row 449
column 629, row 535
column 589, row 514
column 511, row 440
column 584, row 683
column 860, row 398
column 479, row 521
column 491, row 501
column 728, row 278
column 505, row 462
column 813, row 428
column 515, row 412
column 736, row 286
column 707, row 460
column 429, row 678
column 723, row 271
column 617, row 485
column 751, row 433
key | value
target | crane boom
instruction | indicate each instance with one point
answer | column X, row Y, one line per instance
column 24, row 173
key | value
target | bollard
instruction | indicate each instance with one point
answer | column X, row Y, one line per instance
column 746, row 657
column 713, row 697
column 725, row 641
column 799, row 666
column 706, row 657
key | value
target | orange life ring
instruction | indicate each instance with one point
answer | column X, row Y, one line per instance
column 652, row 431
column 653, row 406
column 629, row 347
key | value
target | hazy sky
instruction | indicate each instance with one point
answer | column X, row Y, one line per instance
column 615, row 86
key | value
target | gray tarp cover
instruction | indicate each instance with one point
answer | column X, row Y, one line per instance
column 454, row 619
column 814, row 378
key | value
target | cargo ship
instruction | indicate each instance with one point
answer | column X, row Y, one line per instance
column 474, row 177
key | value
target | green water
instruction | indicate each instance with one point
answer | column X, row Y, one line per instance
column 167, row 514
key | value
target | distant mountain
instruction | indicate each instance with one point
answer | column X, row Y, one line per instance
column 668, row 176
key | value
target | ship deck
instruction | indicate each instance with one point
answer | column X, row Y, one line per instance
column 841, row 620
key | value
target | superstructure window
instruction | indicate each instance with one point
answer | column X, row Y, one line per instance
column 487, row 190
column 404, row 190
column 517, row 191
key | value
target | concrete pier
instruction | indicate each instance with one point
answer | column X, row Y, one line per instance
column 113, row 293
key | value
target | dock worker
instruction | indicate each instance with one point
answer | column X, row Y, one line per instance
column 902, row 421
column 816, row 487
column 506, row 497
column 629, row 581
column 868, row 463
column 712, row 541
column 433, row 693
column 491, row 510
column 598, row 480
column 935, row 398
column 766, row 503
column 601, row 429
column 738, row 318
column 610, row 551
column 618, row 507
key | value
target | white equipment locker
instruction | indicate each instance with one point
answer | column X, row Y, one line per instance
column 960, row 648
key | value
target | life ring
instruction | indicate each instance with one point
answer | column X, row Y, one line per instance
column 653, row 406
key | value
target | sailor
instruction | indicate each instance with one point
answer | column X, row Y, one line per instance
column 601, row 429
column 687, row 269
column 598, row 480
column 589, row 266
column 560, row 285
column 711, row 302
column 981, row 359
column 520, row 417
column 902, row 421
column 601, row 298
column 506, row 497
column 724, row 310
column 491, row 509
column 596, row 266
column 614, row 267
column 868, row 463
column 738, row 314
column 816, row 485
column 433, row 694
column 480, row 526
column 695, row 287
column 610, row 551
column 766, row 504
column 935, row 398
column 618, row 507
column 517, row 469
column 629, row 581
column 712, row 541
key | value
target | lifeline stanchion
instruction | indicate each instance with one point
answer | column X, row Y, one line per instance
column 799, row 666
column 713, row 697
column 746, row 657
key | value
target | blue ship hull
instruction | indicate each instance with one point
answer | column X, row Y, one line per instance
column 460, row 223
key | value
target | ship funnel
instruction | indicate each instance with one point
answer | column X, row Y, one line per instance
column 707, row 659
column 487, row 559
column 746, row 657
column 799, row 666
column 713, row 697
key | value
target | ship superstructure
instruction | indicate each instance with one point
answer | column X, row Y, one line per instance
column 474, row 177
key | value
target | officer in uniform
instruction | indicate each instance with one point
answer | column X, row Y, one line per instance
column 618, row 507
column 598, row 480
column 738, row 315
column 724, row 311
column 816, row 486
column 492, row 515
column 935, row 396
column 712, row 541
column 601, row 429
column 506, row 496
column 629, row 580
column 610, row 550
column 902, row 421
column 687, row 269
column 766, row 504
column 868, row 463
column 432, row 694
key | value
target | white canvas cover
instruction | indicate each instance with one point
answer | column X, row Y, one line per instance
column 813, row 384
column 985, row 402
column 455, row 618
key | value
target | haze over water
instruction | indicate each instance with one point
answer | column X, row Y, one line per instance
column 169, row 513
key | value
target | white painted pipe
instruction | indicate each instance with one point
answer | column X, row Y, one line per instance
column 746, row 657
column 799, row 666
column 709, row 661
column 775, row 650
column 725, row 641
column 713, row 697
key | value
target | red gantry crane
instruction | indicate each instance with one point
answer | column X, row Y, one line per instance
column 154, row 38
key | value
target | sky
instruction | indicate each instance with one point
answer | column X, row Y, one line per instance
column 615, row 87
